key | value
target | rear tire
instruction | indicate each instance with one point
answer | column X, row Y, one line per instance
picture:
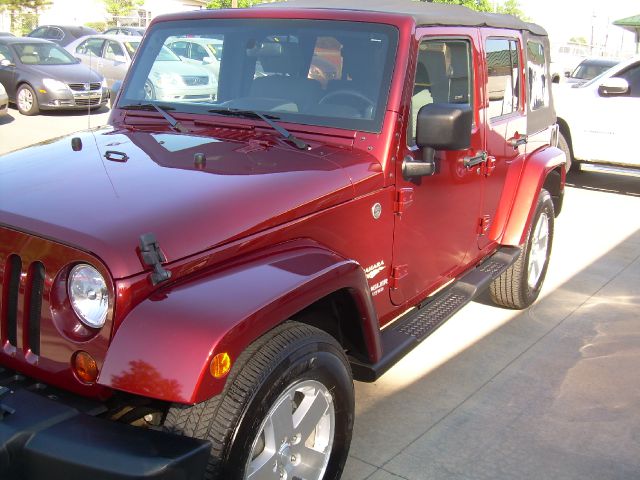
column 292, row 383
column 519, row 286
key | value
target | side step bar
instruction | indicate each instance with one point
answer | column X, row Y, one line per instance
column 417, row 324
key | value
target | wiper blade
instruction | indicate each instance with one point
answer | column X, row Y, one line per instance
column 175, row 124
column 268, row 119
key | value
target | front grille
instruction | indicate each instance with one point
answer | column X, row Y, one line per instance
column 10, row 312
column 81, row 87
column 195, row 80
column 88, row 102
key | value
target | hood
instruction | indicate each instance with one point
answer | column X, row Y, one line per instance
column 74, row 73
column 92, row 200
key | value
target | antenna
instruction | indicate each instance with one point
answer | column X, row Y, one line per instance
column 89, row 98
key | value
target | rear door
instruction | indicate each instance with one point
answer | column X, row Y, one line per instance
column 8, row 73
column 90, row 53
column 115, row 62
column 505, row 120
column 437, row 216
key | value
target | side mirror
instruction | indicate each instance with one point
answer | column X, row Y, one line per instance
column 6, row 63
column 440, row 126
column 120, row 59
column 612, row 87
column 208, row 60
column 567, row 74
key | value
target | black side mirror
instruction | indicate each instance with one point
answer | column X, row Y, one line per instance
column 440, row 126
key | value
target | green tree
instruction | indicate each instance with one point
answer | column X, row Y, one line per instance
column 121, row 8
column 512, row 7
column 230, row 3
column 479, row 5
column 579, row 40
column 23, row 14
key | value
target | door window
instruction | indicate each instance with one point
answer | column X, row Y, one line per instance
column 92, row 46
column 113, row 51
column 5, row 54
column 39, row 32
column 197, row 52
column 538, row 81
column 443, row 75
column 503, row 83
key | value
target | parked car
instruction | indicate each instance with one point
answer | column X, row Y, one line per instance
column 170, row 78
column 590, row 68
column 40, row 75
column 219, row 272
column 4, row 101
column 598, row 118
column 132, row 31
column 61, row 34
column 198, row 51
column 6, row 34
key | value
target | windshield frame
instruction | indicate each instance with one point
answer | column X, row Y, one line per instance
column 158, row 34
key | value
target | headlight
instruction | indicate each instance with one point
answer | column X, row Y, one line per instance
column 54, row 85
column 88, row 295
column 168, row 79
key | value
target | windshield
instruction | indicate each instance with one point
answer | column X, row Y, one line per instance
column 315, row 72
column 43, row 54
column 587, row 71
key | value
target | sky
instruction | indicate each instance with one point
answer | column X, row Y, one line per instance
column 564, row 19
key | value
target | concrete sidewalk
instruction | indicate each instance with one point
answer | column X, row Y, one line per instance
column 552, row 392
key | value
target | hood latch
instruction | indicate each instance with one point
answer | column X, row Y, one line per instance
column 153, row 257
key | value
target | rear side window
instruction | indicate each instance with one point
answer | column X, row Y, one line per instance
column 443, row 75
column 92, row 46
column 113, row 51
column 536, row 72
column 503, row 85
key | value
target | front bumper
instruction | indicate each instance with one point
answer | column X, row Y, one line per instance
column 53, row 435
column 4, row 105
column 73, row 100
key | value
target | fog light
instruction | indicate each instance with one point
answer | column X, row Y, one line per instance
column 220, row 365
column 85, row 367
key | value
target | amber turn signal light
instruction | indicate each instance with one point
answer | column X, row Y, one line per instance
column 220, row 365
column 85, row 367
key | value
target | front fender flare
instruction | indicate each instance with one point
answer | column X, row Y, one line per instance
column 164, row 347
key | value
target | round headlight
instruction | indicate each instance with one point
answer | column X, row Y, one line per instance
column 88, row 295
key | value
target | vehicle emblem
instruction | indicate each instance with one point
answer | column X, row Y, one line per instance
column 376, row 210
column 87, row 86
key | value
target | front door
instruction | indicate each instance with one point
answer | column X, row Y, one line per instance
column 8, row 72
column 437, row 223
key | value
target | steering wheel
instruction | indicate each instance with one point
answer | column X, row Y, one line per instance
column 369, row 104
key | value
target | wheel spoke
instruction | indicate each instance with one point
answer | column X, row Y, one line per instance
column 263, row 467
column 308, row 414
column 311, row 464
column 281, row 422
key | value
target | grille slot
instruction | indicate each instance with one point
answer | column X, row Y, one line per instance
column 14, row 264
column 35, row 306
column 194, row 80
column 88, row 101
column 79, row 87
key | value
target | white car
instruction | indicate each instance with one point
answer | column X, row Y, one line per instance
column 597, row 119
column 4, row 101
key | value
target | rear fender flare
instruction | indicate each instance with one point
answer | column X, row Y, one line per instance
column 539, row 165
column 164, row 347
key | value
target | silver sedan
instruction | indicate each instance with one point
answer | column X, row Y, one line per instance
column 170, row 77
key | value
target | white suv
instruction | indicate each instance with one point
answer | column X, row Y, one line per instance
column 598, row 118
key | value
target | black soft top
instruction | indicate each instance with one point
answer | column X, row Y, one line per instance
column 423, row 13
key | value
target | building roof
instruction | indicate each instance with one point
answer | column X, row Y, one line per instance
column 629, row 23
column 424, row 13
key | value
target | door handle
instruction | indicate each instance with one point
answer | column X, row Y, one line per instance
column 517, row 141
column 470, row 162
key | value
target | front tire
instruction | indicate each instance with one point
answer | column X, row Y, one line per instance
column 519, row 286
column 286, row 412
column 26, row 101
column 572, row 165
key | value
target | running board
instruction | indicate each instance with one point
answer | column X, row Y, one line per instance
column 417, row 324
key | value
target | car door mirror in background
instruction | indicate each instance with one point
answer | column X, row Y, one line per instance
column 6, row 63
column 612, row 87
column 208, row 60
column 120, row 59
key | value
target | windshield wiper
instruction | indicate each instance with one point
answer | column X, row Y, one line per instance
column 268, row 119
column 175, row 124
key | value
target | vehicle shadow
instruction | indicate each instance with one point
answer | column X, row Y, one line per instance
column 5, row 119
column 605, row 182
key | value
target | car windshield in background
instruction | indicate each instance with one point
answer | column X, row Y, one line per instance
column 43, row 54
column 131, row 47
column 315, row 72
column 587, row 71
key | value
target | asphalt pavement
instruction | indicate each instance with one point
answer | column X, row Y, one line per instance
column 549, row 393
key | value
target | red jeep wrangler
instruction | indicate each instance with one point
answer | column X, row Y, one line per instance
column 190, row 291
